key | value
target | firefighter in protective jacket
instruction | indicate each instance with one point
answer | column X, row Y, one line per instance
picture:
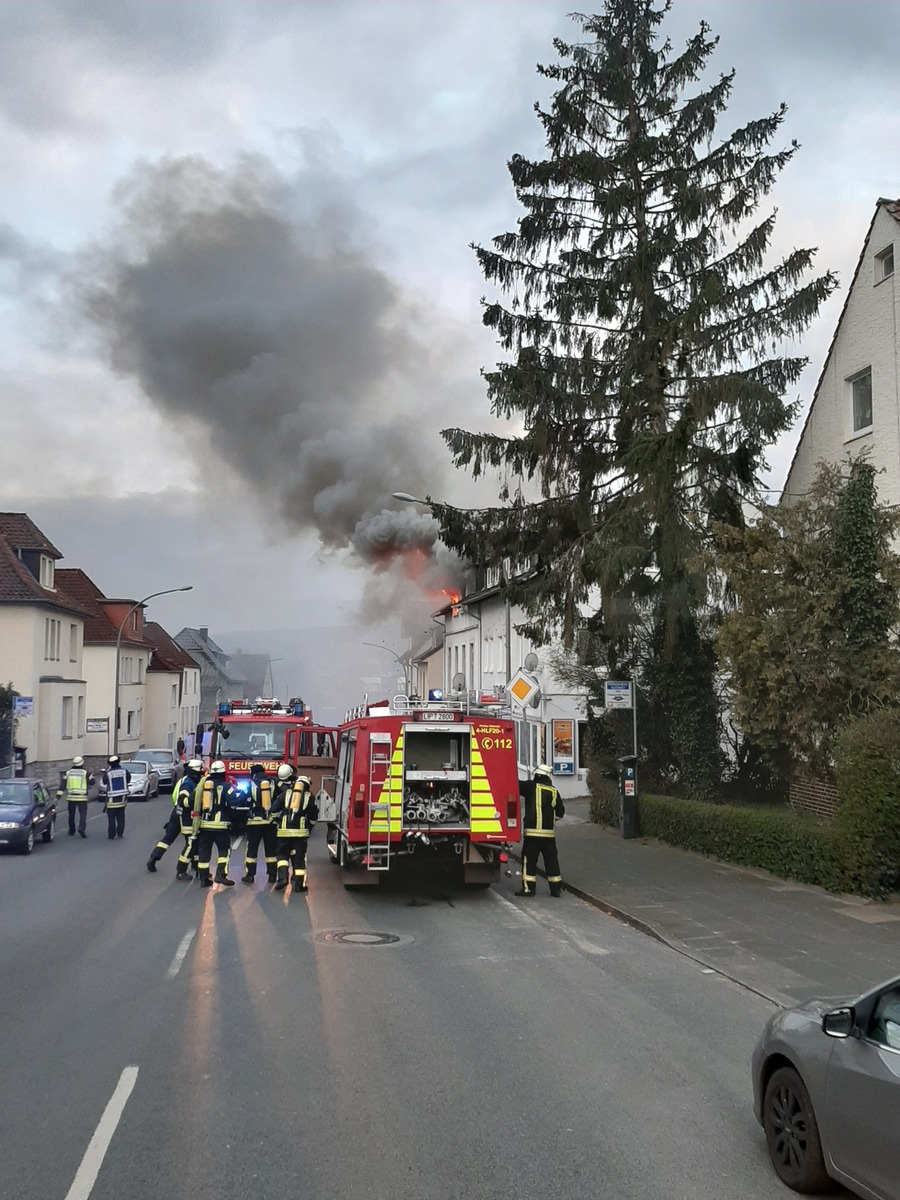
column 114, row 781
column 542, row 808
column 78, row 780
column 295, row 822
column 181, row 820
column 216, row 800
column 260, row 826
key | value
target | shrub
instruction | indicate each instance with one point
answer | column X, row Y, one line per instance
column 779, row 840
column 868, row 818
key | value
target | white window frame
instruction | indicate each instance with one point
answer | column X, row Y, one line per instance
column 80, row 725
column 67, row 723
column 46, row 572
column 851, row 381
column 884, row 264
column 73, row 642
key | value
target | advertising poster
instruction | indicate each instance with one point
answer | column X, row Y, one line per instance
column 563, row 747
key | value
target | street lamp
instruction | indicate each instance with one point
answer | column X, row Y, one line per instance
column 123, row 623
column 396, row 657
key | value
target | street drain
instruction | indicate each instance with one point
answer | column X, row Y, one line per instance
column 351, row 937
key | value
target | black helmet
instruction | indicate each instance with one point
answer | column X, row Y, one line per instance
column 258, row 769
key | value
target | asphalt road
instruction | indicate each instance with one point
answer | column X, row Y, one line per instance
column 499, row 1047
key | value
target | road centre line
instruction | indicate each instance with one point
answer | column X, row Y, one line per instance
column 86, row 1176
column 183, row 947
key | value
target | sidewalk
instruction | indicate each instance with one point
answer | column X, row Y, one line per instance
column 784, row 940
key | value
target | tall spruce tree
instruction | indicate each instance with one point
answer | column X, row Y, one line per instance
column 644, row 328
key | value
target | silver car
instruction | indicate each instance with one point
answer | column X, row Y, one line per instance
column 826, row 1089
column 144, row 781
column 164, row 762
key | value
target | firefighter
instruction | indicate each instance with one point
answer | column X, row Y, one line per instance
column 114, row 781
column 260, row 826
column 216, row 796
column 542, row 808
column 296, row 818
column 181, row 820
column 77, row 782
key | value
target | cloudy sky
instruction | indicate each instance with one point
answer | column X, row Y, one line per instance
column 238, row 299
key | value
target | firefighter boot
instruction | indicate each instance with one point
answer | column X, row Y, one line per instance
column 155, row 855
column 181, row 871
column 205, row 880
column 282, row 879
column 249, row 875
column 221, row 877
column 271, row 872
column 299, row 882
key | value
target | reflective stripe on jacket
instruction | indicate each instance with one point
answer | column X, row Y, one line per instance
column 299, row 814
column 215, row 804
column 543, row 806
column 260, row 802
column 183, row 799
column 116, row 782
column 76, row 784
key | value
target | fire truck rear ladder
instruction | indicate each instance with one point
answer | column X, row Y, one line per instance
column 378, row 854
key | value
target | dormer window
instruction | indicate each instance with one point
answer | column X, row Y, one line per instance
column 884, row 264
column 46, row 569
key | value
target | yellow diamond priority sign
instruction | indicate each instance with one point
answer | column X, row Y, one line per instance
column 523, row 688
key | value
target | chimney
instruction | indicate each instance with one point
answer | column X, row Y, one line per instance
column 204, row 632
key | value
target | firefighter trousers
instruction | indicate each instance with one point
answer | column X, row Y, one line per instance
column 78, row 808
column 268, row 836
column 292, row 853
column 115, row 820
column 206, row 840
column 532, row 849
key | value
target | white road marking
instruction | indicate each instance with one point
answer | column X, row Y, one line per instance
column 183, row 947
column 86, row 1177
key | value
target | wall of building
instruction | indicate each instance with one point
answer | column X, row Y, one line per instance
column 866, row 337
column 59, row 738
column 162, row 714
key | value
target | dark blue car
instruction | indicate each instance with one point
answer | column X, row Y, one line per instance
column 27, row 811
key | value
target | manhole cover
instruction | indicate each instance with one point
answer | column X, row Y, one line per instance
column 350, row 937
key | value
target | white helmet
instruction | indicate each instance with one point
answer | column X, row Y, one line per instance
column 77, row 761
column 542, row 769
column 195, row 764
column 217, row 768
column 285, row 771
column 304, row 779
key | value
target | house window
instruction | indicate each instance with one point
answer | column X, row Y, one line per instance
column 130, row 725
column 81, row 716
column 861, row 399
column 52, row 639
column 174, row 695
column 73, row 643
column 68, row 707
column 140, row 669
column 46, row 570
column 884, row 264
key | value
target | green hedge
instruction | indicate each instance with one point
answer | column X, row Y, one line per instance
column 867, row 825
column 779, row 840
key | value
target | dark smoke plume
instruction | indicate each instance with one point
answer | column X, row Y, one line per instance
column 276, row 337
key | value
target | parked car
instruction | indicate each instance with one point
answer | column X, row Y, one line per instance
column 144, row 781
column 826, row 1089
column 27, row 811
column 164, row 762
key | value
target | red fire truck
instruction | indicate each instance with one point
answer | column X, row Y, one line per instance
column 269, row 732
column 429, row 780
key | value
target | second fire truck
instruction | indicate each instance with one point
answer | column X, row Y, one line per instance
column 429, row 781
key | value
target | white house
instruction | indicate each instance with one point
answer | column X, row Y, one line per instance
column 101, row 632
column 482, row 653
column 173, row 691
column 856, row 405
column 41, row 649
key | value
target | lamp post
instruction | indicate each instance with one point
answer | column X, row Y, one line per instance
column 403, row 666
column 122, row 624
